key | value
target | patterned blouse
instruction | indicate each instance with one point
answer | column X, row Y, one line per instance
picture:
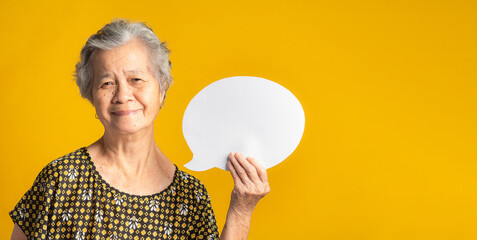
column 70, row 200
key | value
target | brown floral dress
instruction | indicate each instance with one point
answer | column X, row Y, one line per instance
column 70, row 200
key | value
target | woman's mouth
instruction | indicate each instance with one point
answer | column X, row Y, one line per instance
column 124, row 113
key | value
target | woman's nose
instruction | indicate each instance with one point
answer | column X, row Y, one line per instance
column 123, row 93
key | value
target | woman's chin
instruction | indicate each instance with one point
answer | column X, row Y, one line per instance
column 127, row 129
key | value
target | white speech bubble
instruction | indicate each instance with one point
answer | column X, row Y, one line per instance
column 251, row 115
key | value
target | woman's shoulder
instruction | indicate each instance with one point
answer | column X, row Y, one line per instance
column 73, row 158
column 188, row 179
column 69, row 164
column 191, row 186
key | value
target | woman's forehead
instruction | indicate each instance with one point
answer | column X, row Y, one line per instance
column 130, row 58
column 127, row 53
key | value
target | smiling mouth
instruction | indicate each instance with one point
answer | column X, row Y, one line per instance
column 124, row 113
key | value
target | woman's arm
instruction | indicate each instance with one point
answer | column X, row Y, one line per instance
column 251, row 184
column 17, row 233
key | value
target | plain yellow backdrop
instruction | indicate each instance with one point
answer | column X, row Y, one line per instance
column 388, row 88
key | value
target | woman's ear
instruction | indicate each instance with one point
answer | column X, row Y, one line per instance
column 163, row 99
column 163, row 90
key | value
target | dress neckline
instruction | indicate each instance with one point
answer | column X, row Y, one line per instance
column 106, row 185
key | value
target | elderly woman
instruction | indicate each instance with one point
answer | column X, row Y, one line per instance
column 122, row 186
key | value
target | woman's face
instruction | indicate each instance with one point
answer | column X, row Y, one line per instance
column 126, row 94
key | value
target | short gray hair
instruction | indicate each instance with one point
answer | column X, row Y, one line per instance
column 115, row 34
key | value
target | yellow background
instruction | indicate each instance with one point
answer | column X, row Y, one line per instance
column 388, row 89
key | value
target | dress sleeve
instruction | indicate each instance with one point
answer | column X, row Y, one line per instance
column 31, row 212
column 206, row 226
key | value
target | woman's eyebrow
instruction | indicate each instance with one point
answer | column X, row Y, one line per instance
column 105, row 75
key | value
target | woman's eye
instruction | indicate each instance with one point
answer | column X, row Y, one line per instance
column 106, row 84
column 136, row 79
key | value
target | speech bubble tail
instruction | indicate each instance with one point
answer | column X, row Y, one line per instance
column 196, row 165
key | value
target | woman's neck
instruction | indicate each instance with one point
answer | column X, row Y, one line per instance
column 134, row 147
column 131, row 154
column 132, row 163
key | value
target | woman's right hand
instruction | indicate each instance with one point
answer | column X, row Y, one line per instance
column 251, row 185
column 251, row 182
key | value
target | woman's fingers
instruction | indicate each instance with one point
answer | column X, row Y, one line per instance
column 261, row 171
column 251, row 174
column 232, row 170
column 240, row 173
column 251, row 182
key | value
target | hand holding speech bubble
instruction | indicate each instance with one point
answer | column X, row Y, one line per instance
column 251, row 115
